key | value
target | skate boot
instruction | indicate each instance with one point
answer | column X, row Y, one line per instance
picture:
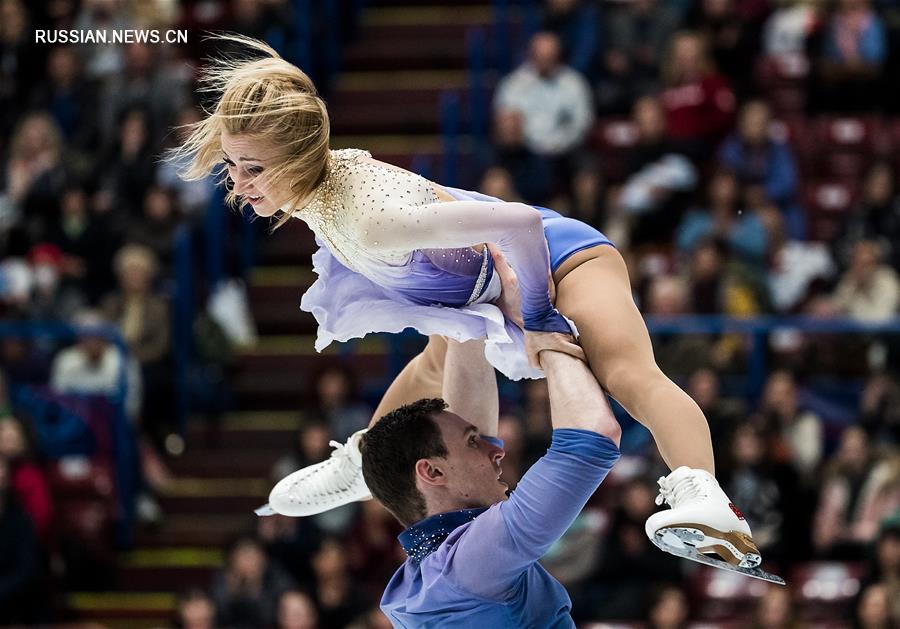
column 703, row 525
column 323, row 486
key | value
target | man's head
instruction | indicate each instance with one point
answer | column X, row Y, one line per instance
column 421, row 459
column 545, row 53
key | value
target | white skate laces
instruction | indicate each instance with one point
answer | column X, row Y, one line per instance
column 335, row 482
column 676, row 491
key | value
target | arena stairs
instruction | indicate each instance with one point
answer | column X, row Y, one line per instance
column 385, row 100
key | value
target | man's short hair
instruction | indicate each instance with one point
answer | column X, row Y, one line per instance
column 390, row 450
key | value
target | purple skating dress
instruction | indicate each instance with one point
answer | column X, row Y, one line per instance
column 393, row 256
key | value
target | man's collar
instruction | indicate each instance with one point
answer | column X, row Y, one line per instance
column 423, row 538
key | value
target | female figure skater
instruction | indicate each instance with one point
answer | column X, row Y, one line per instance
column 398, row 251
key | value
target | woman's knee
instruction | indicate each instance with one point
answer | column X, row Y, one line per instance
column 629, row 382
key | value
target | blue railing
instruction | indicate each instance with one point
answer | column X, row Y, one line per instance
column 124, row 442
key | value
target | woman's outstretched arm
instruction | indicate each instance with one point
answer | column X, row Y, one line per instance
column 515, row 227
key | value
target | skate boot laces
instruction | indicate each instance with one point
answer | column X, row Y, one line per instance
column 341, row 471
column 684, row 489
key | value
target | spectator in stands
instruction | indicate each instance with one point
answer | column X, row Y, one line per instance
column 534, row 412
column 628, row 558
column 193, row 196
column 51, row 299
column 770, row 491
column 296, row 611
column 659, row 178
column 86, row 244
column 577, row 25
column 93, row 365
column 195, row 610
column 859, row 491
column 721, row 284
column 554, row 100
column 156, row 227
column 372, row 551
column 144, row 85
column 775, row 610
column 854, row 49
column 22, row 61
column 873, row 610
column 144, row 321
column 698, row 101
column 311, row 447
column 532, row 174
column 764, row 165
column 20, row 557
column 34, row 175
column 724, row 218
column 877, row 215
column 678, row 355
column 337, row 595
column 72, row 103
column 880, row 409
column 101, row 63
column 498, row 182
column 246, row 592
column 638, row 34
column 130, row 166
column 291, row 543
column 733, row 36
column 27, row 479
column 338, row 403
column 885, row 566
column 869, row 290
column 668, row 609
column 724, row 414
column 795, row 435
column 796, row 269
column 789, row 27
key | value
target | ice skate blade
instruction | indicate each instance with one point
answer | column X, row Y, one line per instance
column 687, row 551
column 265, row 510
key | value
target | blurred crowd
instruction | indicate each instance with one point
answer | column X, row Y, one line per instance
column 743, row 156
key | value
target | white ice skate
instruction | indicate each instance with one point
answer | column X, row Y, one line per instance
column 703, row 525
column 332, row 483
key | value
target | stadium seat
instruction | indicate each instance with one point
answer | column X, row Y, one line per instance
column 783, row 81
column 827, row 203
column 847, row 145
column 611, row 138
column 725, row 594
column 824, row 589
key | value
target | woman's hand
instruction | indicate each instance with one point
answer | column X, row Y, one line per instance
column 510, row 301
column 511, row 307
column 537, row 342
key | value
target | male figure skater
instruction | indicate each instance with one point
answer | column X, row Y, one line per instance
column 472, row 552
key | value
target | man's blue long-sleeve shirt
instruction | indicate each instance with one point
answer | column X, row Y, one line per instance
column 479, row 567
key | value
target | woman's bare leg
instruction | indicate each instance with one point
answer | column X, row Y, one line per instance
column 421, row 378
column 596, row 294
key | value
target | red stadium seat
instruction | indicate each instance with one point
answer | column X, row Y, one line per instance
column 611, row 138
column 725, row 594
column 783, row 80
column 824, row 589
column 827, row 203
column 848, row 145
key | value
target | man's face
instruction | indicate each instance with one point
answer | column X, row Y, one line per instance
column 472, row 465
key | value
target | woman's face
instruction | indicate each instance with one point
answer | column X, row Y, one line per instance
column 246, row 158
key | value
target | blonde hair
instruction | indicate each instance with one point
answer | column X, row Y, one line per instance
column 266, row 97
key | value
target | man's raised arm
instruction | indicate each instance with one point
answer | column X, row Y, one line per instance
column 470, row 385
